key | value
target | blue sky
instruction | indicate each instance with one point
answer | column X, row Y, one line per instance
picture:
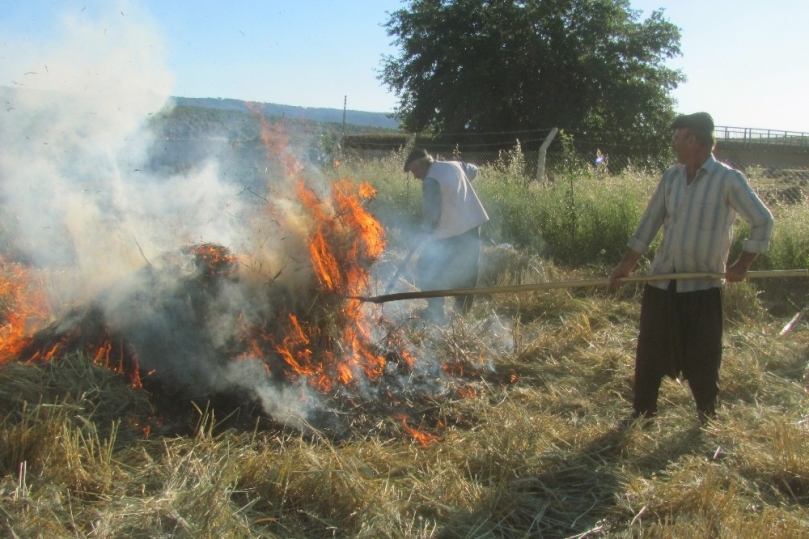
column 744, row 59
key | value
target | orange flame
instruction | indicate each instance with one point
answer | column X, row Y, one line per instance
column 25, row 307
column 345, row 240
column 276, row 142
column 366, row 191
column 423, row 438
column 213, row 258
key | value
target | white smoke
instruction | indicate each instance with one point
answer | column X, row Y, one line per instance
column 77, row 196
column 72, row 142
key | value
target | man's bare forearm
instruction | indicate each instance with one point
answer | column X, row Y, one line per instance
column 624, row 268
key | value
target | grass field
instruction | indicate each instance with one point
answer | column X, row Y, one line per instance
column 520, row 435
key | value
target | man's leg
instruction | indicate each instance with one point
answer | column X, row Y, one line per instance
column 703, row 354
column 465, row 272
column 430, row 276
column 653, row 346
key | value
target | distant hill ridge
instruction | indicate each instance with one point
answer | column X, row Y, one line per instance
column 354, row 117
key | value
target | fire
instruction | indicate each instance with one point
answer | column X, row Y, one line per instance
column 327, row 340
column 276, row 142
column 212, row 259
column 346, row 239
column 295, row 349
column 366, row 191
column 25, row 306
column 423, row 438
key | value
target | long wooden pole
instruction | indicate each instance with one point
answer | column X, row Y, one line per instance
column 582, row 283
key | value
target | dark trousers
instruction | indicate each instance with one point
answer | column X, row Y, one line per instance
column 679, row 333
column 448, row 264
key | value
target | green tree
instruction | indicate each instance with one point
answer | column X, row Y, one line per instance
column 591, row 67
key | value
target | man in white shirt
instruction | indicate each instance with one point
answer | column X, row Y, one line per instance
column 696, row 203
column 450, row 237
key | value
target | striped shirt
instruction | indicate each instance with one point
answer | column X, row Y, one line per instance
column 697, row 222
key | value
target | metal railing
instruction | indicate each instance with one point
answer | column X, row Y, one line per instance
column 763, row 139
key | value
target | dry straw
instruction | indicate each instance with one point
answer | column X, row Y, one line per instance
column 534, row 446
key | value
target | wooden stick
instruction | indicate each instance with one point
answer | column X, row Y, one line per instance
column 769, row 274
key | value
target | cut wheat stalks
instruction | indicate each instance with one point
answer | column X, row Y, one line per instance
column 580, row 283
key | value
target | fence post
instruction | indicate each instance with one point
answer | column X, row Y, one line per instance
column 542, row 150
column 343, row 136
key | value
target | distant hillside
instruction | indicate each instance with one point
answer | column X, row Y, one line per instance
column 353, row 117
column 378, row 120
column 188, row 133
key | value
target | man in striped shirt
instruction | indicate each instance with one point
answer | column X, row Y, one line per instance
column 696, row 203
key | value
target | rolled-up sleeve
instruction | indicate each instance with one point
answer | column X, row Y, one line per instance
column 749, row 206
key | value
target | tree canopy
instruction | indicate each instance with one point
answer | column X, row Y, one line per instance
column 590, row 67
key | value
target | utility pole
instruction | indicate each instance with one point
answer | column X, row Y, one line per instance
column 345, row 103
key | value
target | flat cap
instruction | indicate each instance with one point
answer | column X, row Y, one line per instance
column 415, row 155
column 699, row 121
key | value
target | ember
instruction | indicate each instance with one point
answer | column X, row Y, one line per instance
column 423, row 438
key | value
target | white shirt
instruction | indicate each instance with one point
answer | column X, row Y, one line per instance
column 697, row 222
column 461, row 209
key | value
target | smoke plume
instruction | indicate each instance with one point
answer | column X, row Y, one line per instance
column 81, row 201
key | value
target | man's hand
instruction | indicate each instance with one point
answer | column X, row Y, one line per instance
column 623, row 269
column 738, row 270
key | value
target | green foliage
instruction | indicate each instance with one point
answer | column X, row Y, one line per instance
column 589, row 66
column 789, row 247
column 579, row 219
column 583, row 217
column 197, row 122
column 187, row 136
column 191, row 123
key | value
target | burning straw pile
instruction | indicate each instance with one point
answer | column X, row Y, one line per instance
column 256, row 314
column 197, row 324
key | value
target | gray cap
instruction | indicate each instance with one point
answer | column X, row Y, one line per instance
column 699, row 121
column 415, row 155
